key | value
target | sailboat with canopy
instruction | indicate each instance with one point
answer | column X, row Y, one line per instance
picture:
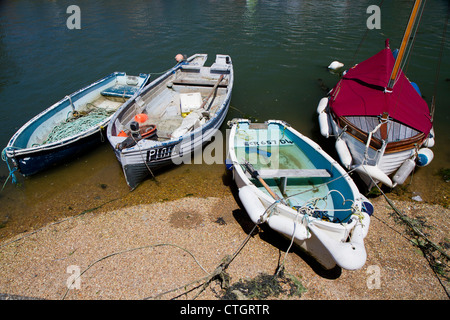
column 382, row 125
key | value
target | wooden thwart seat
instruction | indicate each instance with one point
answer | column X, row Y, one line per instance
column 283, row 174
column 199, row 83
column 120, row 91
column 294, row 173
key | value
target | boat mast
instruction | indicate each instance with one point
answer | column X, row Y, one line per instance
column 402, row 49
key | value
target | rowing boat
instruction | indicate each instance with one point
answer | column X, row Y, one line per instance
column 172, row 117
column 71, row 126
column 287, row 181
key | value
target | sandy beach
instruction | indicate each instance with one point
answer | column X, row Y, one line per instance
column 147, row 251
column 76, row 232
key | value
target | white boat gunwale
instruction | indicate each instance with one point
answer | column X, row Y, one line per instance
column 164, row 94
column 190, row 135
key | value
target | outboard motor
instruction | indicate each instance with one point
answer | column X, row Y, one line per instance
column 137, row 133
column 134, row 127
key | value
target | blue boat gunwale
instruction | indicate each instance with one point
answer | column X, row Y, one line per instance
column 46, row 158
column 339, row 180
column 17, row 143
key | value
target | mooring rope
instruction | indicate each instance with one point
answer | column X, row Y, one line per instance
column 130, row 250
column 408, row 223
column 11, row 171
column 418, row 233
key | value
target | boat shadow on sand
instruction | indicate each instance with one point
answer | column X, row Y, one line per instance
column 265, row 233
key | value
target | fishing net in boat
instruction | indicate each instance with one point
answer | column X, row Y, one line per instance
column 74, row 125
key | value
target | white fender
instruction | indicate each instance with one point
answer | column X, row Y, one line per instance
column 279, row 223
column 252, row 204
column 364, row 225
column 335, row 65
column 348, row 255
column 376, row 174
column 429, row 142
column 404, row 171
column 424, row 157
column 323, row 103
column 323, row 124
column 288, row 227
column 343, row 152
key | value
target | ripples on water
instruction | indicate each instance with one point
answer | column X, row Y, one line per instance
column 279, row 48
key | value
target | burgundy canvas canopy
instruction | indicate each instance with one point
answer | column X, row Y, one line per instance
column 361, row 92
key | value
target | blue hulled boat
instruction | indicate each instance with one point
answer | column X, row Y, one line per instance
column 71, row 126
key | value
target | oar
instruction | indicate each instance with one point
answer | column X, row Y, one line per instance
column 213, row 90
column 256, row 175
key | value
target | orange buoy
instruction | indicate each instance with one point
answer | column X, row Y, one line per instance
column 141, row 118
column 179, row 57
column 122, row 134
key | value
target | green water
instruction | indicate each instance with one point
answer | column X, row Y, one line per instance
column 272, row 148
column 269, row 149
column 280, row 51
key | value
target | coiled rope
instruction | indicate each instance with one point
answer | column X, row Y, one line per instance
column 75, row 125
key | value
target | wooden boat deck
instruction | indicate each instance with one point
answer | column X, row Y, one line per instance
column 394, row 131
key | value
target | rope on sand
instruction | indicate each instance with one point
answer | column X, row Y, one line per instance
column 218, row 273
column 130, row 250
column 420, row 235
